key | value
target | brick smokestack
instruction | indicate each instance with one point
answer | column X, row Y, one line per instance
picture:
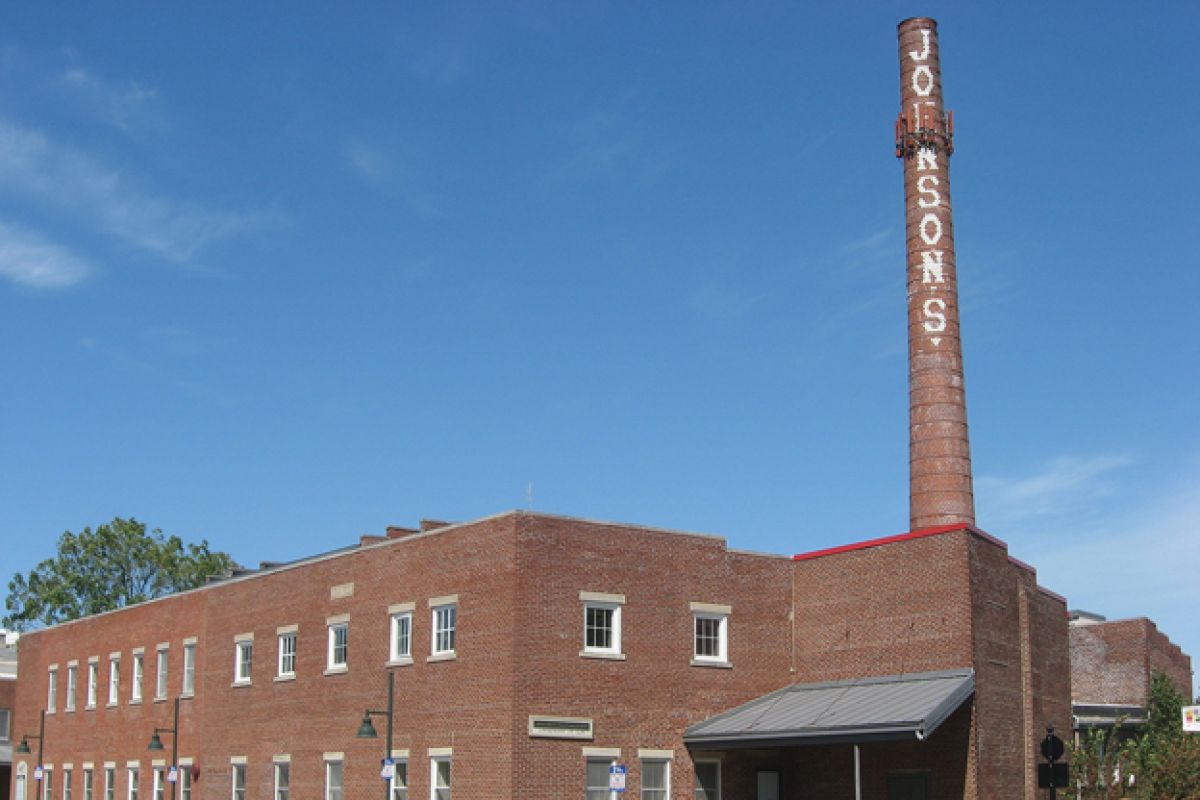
column 940, row 490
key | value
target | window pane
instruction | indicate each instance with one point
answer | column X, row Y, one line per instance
column 654, row 780
column 400, row 782
column 287, row 654
column 445, row 620
column 282, row 781
column 708, row 780
column 239, row 782
column 333, row 780
column 402, row 636
column 440, row 769
column 708, row 637
column 598, row 628
column 597, row 775
column 189, row 669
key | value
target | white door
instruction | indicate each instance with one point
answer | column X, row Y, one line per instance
column 768, row 786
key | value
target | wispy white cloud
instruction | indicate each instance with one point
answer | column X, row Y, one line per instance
column 122, row 106
column 371, row 163
column 392, row 172
column 29, row 260
column 1147, row 552
column 1107, row 547
column 724, row 301
column 605, row 143
column 177, row 340
column 67, row 179
column 1062, row 487
column 442, row 64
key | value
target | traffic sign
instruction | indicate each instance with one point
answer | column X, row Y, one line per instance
column 616, row 777
column 1052, row 747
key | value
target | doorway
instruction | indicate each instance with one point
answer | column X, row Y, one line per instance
column 908, row 786
column 768, row 785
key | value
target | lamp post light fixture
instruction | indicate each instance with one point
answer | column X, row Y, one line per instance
column 23, row 747
column 157, row 745
column 367, row 730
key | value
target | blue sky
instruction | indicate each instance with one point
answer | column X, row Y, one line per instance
column 283, row 275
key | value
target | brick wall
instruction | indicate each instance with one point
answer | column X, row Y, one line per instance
column 1022, row 679
column 1111, row 662
column 918, row 604
column 646, row 699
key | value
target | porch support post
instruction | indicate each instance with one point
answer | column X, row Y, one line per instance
column 857, row 775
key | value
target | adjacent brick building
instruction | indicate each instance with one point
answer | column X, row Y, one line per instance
column 8, row 697
column 1111, row 666
column 533, row 651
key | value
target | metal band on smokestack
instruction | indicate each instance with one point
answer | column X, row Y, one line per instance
column 940, row 490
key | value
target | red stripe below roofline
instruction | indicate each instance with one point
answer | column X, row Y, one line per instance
column 920, row 534
column 1054, row 595
column 902, row 537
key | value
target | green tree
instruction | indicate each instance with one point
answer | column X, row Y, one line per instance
column 1165, row 759
column 116, row 565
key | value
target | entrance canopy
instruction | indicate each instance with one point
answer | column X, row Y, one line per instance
column 852, row 711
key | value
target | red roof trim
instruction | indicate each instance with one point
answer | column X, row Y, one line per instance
column 903, row 537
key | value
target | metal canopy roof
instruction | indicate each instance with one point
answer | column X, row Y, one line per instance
column 859, row 710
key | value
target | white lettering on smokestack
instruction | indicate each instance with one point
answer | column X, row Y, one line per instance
column 940, row 484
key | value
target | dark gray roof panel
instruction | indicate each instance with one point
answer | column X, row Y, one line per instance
column 859, row 710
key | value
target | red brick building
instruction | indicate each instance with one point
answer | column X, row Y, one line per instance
column 530, row 652
column 537, row 656
column 1111, row 666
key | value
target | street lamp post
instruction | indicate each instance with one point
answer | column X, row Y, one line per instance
column 156, row 744
column 23, row 747
column 367, row 731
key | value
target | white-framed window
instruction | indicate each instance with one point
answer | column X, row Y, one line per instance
column 283, row 779
column 139, row 672
column 601, row 624
column 184, row 778
column 159, row 783
column 286, row 664
column 243, row 658
column 237, row 789
column 134, row 776
column 51, row 689
column 333, row 779
column 66, row 793
column 19, row 783
column 5, row 724
column 400, row 633
column 110, row 783
column 445, row 628
column 93, row 683
column 656, row 779
column 114, row 679
column 189, row 669
column 72, row 680
column 439, row 778
column 710, row 633
column 339, row 645
column 160, row 674
column 89, row 784
column 708, row 779
column 399, row 782
column 596, row 779
column 47, row 783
